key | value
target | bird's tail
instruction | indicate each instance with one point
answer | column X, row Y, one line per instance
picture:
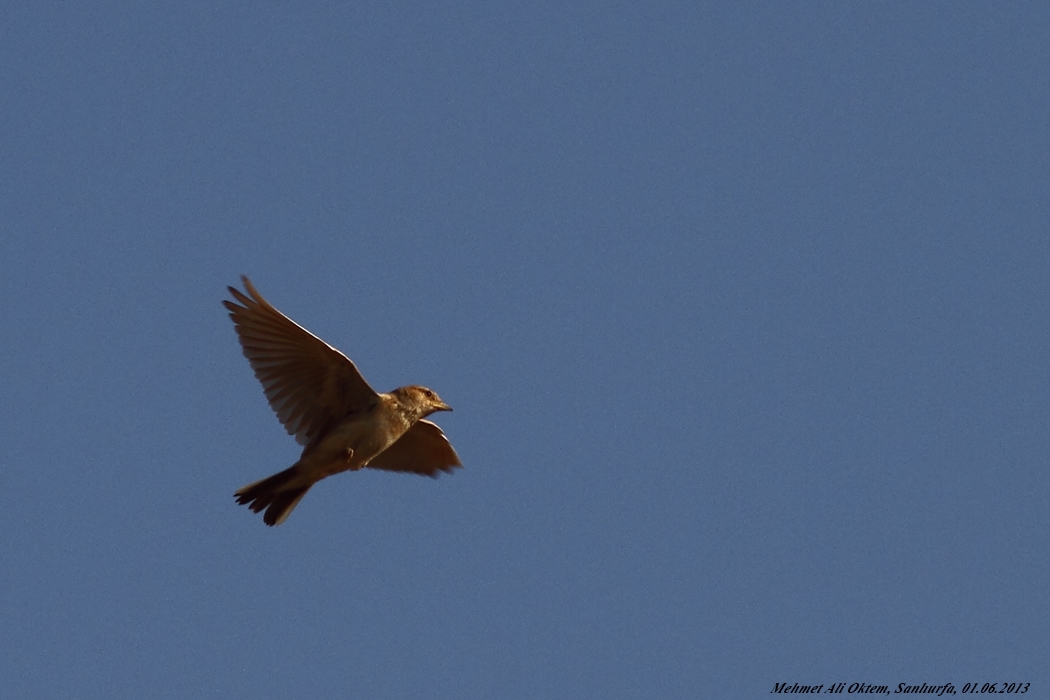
column 278, row 494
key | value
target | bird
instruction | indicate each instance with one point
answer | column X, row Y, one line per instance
column 322, row 400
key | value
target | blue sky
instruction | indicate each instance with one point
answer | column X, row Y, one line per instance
column 742, row 309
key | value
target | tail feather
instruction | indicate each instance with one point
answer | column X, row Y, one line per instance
column 277, row 494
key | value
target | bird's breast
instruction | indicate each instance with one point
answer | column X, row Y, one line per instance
column 366, row 434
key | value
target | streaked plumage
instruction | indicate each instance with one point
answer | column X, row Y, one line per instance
column 321, row 398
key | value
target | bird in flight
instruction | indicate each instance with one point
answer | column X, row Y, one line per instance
column 321, row 399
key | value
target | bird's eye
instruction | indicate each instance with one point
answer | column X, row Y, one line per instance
column 429, row 393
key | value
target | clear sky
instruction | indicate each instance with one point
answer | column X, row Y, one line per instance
column 743, row 310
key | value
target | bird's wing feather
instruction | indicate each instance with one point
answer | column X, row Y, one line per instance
column 308, row 383
column 424, row 449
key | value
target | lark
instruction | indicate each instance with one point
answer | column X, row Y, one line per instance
column 321, row 398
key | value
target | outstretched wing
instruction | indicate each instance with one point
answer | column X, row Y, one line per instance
column 424, row 449
column 310, row 385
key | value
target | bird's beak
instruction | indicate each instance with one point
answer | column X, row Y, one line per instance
column 442, row 406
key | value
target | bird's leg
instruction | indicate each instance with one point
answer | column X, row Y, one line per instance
column 350, row 458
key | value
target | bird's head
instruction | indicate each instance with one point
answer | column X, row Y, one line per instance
column 419, row 400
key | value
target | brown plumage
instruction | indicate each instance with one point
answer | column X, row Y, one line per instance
column 321, row 399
